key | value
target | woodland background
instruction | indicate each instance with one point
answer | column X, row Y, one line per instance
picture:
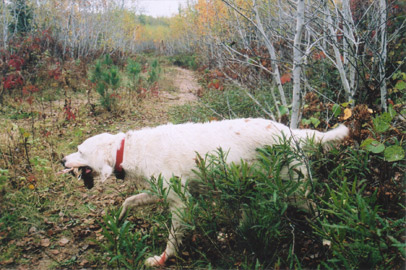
column 71, row 69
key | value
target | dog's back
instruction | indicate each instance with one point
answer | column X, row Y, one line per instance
column 171, row 149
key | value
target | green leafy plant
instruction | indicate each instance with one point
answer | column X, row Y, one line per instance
column 352, row 219
column 154, row 72
column 134, row 69
column 107, row 79
column 4, row 176
column 123, row 247
column 400, row 78
column 352, row 222
column 390, row 147
column 245, row 204
column 185, row 61
column 313, row 120
column 336, row 110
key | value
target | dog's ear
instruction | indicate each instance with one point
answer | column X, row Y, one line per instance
column 105, row 172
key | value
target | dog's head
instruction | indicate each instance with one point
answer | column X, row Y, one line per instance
column 96, row 156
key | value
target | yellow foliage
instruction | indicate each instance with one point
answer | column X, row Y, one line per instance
column 347, row 113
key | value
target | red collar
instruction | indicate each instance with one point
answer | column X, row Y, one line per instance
column 119, row 157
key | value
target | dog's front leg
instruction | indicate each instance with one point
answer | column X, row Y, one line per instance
column 137, row 200
column 175, row 238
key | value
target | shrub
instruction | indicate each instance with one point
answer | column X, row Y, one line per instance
column 364, row 228
column 248, row 215
column 106, row 77
column 244, row 209
column 389, row 146
column 154, row 72
column 134, row 69
column 360, row 237
column 184, row 61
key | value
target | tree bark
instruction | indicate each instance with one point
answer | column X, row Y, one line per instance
column 338, row 61
column 271, row 50
column 297, row 63
column 5, row 25
column 383, row 53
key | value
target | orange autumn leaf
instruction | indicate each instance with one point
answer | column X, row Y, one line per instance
column 347, row 113
column 285, row 78
column 319, row 55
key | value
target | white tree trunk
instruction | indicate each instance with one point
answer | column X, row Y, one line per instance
column 5, row 24
column 271, row 50
column 350, row 44
column 383, row 53
column 297, row 62
column 338, row 61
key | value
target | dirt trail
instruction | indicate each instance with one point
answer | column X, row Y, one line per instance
column 181, row 88
column 187, row 86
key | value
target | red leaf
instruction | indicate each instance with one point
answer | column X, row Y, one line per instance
column 285, row 78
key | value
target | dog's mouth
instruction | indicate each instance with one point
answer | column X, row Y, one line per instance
column 83, row 172
column 86, row 173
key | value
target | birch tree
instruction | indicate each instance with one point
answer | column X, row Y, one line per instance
column 271, row 50
column 336, row 59
column 4, row 22
column 383, row 53
column 297, row 63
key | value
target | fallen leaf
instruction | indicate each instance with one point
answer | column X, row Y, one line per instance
column 347, row 113
column 32, row 229
column 63, row 241
column 8, row 261
column 54, row 252
column 84, row 262
column 45, row 242
column 89, row 221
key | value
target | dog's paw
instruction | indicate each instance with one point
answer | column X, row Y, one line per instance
column 122, row 214
column 156, row 261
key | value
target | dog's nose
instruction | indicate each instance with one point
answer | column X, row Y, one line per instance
column 63, row 161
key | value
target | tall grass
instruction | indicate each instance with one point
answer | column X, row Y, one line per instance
column 229, row 104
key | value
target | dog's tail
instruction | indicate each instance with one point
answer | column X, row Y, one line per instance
column 335, row 135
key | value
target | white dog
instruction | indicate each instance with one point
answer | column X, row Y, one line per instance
column 170, row 150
